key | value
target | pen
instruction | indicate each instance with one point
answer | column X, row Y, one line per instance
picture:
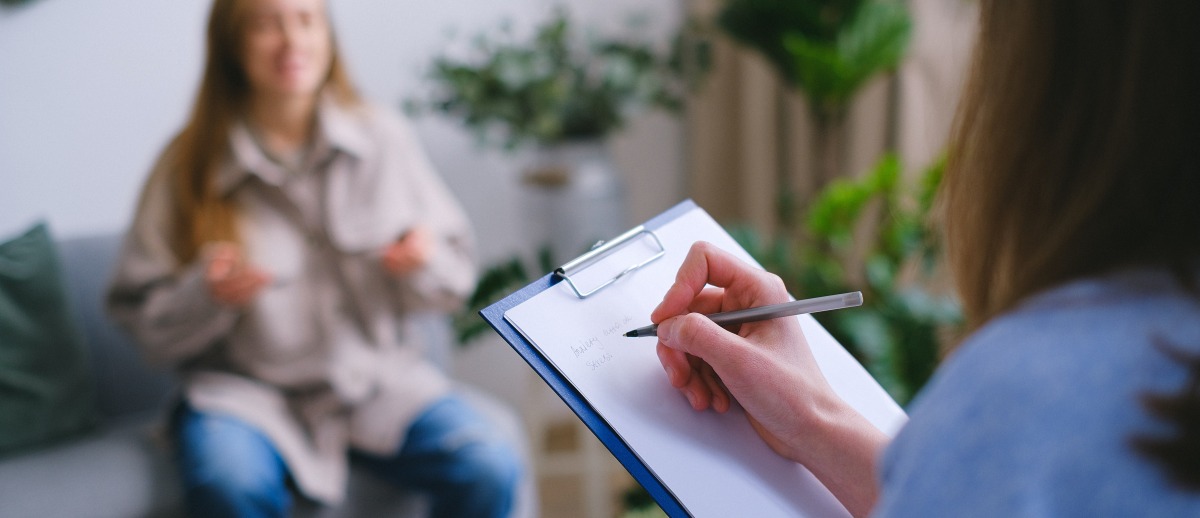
column 786, row 309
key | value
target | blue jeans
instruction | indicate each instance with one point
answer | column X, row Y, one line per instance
column 229, row 468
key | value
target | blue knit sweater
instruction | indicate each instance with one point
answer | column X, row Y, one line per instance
column 1033, row 415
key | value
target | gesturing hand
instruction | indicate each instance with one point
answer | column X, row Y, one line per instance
column 409, row 253
column 231, row 280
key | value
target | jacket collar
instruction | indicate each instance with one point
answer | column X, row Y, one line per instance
column 339, row 128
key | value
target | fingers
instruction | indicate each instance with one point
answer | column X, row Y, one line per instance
column 419, row 244
column 230, row 279
column 409, row 253
column 693, row 349
column 696, row 335
column 706, row 389
column 706, row 264
column 240, row 289
column 224, row 258
column 695, row 379
column 417, row 237
column 689, row 347
column 676, row 365
column 711, row 300
column 718, row 395
column 399, row 260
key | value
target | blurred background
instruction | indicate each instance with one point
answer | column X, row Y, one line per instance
column 813, row 130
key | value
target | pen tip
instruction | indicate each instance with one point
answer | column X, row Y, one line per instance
column 631, row 334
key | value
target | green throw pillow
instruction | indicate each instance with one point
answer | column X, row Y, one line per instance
column 46, row 390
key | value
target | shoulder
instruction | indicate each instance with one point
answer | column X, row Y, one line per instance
column 378, row 135
column 1087, row 336
column 1037, row 407
column 368, row 117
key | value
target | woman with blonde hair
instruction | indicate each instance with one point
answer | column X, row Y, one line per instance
column 1073, row 230
column 278, row 243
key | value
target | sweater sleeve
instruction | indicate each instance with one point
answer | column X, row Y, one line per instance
column 964, row 444
column 164, row 305
column 449, row 276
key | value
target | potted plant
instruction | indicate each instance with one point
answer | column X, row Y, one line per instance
column 552, row 88
column 561, row 94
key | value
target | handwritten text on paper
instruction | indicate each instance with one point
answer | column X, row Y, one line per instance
column 591, row 350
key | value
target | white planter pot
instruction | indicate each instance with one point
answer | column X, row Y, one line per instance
column 575, row 197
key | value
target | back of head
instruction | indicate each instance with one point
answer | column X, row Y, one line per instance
column 1072, row 156
column 1072, row 153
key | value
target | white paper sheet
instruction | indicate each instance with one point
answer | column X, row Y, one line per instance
column 714, row 464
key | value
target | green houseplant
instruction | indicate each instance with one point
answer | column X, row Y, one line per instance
column 553, row 87
column 496, row 281
column 827, row 50
column 562, row 94
column 881, row 223
column 867, row 234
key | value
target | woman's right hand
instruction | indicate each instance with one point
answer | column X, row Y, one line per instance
column 768, row 368
column 231, row 279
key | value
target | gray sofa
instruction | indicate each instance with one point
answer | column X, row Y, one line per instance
column 121, row 469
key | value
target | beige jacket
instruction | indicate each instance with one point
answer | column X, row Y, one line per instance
column 322, row 359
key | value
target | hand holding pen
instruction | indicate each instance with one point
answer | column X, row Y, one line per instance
column 765, row 365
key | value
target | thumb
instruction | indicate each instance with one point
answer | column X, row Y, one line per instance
column 699, row 336
column 220, row 266
column 263, row 277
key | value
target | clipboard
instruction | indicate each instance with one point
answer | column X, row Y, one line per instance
column 615, row 264
column 494, row 315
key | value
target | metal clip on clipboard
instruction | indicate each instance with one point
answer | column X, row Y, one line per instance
column 602, row 250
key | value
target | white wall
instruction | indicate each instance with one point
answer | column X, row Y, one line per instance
column 91, row 90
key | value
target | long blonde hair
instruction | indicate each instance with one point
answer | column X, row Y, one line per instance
column 1073, row 151
column 201, row 213
column 1073, row 155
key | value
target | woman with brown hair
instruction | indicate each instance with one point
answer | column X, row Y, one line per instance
column 278, row 244
column 1071, row 207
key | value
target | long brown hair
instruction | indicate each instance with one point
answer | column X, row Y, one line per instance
column 1073, row 151
column 202, row 214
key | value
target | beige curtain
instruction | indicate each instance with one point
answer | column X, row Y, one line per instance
column 745, row 130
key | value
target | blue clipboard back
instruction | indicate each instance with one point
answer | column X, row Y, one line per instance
column 494, row 315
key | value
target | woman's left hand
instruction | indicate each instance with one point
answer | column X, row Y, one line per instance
column 409, row 253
